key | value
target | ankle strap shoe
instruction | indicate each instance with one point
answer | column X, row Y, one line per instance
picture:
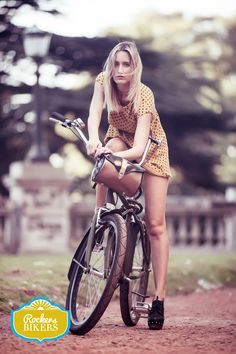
column 156, row 315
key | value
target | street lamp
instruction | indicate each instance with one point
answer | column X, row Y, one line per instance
column 36, row 45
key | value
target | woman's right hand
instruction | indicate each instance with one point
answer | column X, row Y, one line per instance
column 93, row 146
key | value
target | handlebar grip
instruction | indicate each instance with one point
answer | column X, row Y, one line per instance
column 58, row 117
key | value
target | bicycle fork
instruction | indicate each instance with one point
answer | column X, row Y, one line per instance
column 96, row 221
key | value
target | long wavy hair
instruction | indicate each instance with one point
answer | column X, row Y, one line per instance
column 110, row 88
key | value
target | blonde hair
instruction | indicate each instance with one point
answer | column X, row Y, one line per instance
column 110, row 88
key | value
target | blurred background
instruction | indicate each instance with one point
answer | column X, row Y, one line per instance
column 51, row 51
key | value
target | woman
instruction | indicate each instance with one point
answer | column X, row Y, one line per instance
column 132, row 116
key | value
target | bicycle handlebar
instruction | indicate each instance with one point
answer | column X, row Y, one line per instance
column 57, row 117
column 77, row 125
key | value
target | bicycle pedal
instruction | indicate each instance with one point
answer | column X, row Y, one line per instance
column 142, row 308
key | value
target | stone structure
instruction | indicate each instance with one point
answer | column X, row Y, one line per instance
column 40, row 192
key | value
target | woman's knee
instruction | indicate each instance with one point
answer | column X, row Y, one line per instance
column 116, row 144
column 156, row 228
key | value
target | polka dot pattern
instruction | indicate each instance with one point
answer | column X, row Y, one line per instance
column 123, row 124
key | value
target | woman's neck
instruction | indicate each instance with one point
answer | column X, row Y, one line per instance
column 123, row 92
column 123, row 97
column 123, row 89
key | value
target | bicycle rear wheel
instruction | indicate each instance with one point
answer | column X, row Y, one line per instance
column 133, row 290
column 90, row 290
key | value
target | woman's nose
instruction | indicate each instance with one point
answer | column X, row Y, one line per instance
column 120, row 69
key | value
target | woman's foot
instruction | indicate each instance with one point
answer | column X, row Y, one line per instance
column 156, row 315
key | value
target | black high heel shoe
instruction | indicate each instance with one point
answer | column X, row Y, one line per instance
column 156, row 315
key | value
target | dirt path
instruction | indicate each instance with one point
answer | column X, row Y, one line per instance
column 195, row 323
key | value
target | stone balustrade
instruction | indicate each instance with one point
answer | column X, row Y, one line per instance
column 198, row 227
column 195, row 224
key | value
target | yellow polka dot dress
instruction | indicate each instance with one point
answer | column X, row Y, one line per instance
column 123, row 124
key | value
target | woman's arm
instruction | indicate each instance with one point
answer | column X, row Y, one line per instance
column 94, row 119
column 140, row 139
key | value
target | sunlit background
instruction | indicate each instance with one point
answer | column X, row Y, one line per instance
column 91, row 18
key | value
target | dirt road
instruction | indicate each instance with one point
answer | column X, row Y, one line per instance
column 196, row 323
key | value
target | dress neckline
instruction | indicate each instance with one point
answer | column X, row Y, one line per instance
column 126, row 105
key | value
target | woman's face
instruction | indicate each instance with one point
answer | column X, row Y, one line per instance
column 122, row 71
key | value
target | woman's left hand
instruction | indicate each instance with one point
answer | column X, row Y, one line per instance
column 102, row 150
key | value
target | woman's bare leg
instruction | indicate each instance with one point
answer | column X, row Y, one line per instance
column 100, row 195
column 155, row 189
column 115, row 144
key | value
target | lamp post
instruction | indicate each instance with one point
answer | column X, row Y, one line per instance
column 36, row 45
column 37, row 188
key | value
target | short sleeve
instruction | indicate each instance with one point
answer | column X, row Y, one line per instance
column 100, row 78
column 147, row 104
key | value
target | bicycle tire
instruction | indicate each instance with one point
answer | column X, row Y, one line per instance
column 136, row 266
column 87, row 305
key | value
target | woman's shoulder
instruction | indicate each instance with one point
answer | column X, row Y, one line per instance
column 145, row 90
column 100, row 77
column 147, row 103
column 146, row 94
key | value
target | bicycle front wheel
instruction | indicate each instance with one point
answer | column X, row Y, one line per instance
column 91, row 288
column 134, row 289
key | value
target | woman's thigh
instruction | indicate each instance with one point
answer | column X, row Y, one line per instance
column 155, row 192
column 116, row 144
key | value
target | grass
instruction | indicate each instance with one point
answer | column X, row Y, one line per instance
column 25, row 277
column 28, row 276
column 197, row 270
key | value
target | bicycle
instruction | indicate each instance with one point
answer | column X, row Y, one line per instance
column 115, row 251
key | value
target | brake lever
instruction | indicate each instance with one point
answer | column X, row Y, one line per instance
column 65, row 124
column 79, row 123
